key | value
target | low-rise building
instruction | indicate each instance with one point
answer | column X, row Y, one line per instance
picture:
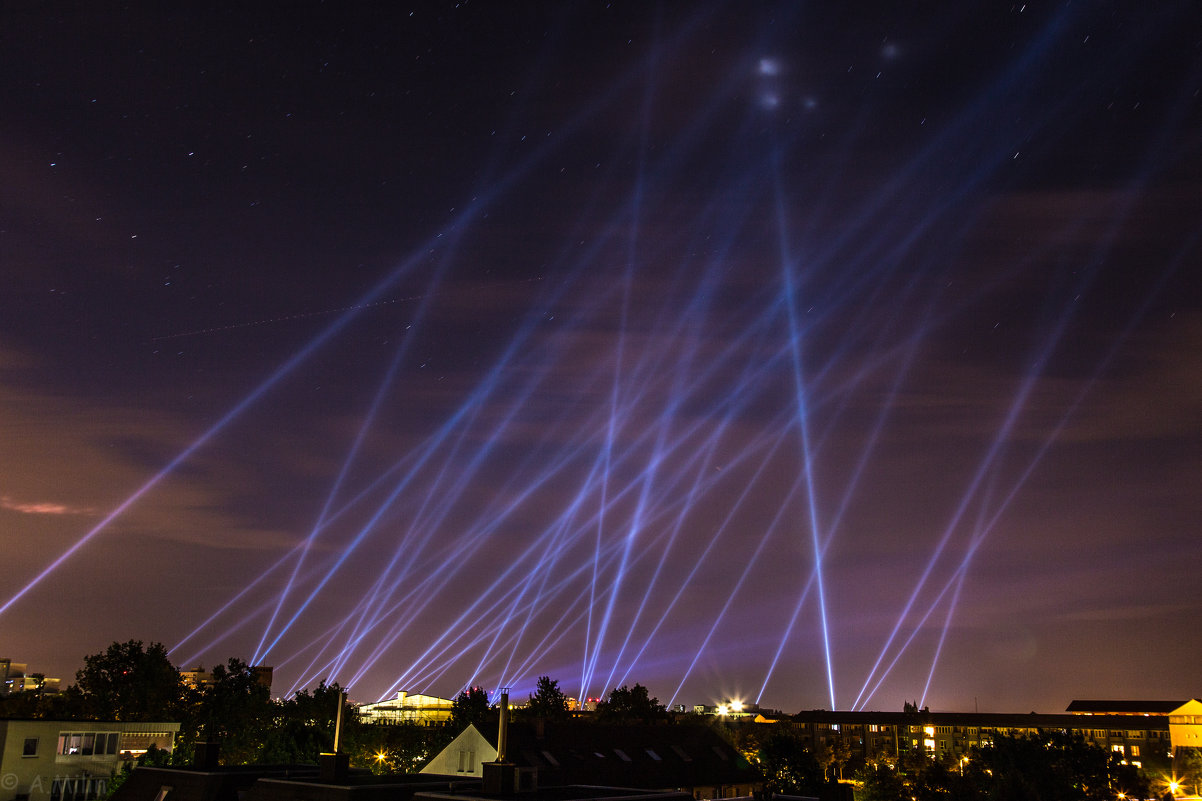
column 662, row 757
column 61, row 760
column 415, row 708
column 1185, row 725
column 16, row 678
column 868, row 736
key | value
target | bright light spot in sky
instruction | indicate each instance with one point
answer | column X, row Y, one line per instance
column 769, row 66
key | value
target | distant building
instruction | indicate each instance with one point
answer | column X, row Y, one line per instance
column 16, row 678
column 56, row 760
column 423, row 710
column 871, row 735
column 1185, row 725
column 663, row 757
column 199, row 678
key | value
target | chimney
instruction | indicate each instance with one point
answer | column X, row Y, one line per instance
column 206, row 755
column 333, row 767
column 503, row 728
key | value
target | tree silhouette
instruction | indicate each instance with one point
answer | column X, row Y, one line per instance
column 471, row 706
column 631, row 705
column 547, row 702
column 129, row 682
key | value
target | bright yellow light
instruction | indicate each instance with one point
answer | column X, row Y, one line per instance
column 722, row 709
column 736, row 706
column 1174, row 786
column 380, row 757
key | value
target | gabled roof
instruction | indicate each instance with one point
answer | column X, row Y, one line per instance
column 1123, row 707
column 662, row 756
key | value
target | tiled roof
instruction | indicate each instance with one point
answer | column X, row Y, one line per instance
column 657, row 756
column 1124, row 707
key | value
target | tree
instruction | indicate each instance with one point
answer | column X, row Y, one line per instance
column 235, row 710
column 1187, row 766
column 471, row 707
column 130, row 683
column 547, row 702
column 1051, row 765
column 631, row 705
column 881, row 783
column 397, row 747
column 789, row 768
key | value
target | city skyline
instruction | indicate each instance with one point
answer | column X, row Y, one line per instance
column 824, row 358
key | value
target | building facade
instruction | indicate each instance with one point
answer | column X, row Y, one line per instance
column 874, row 736
column 414, row 708
column 16, row 678
column 1185, row 725
column 55, row 760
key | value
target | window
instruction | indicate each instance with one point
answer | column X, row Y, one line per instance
column 467, row 761
column 77, row 789
column 547, row 755
column 621, row 755
column 680, row 752
column 652, row 754
column 85, row 743
column 1135, row 750
column 30, row 748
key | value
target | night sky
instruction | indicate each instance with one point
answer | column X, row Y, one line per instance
column 818, row 354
